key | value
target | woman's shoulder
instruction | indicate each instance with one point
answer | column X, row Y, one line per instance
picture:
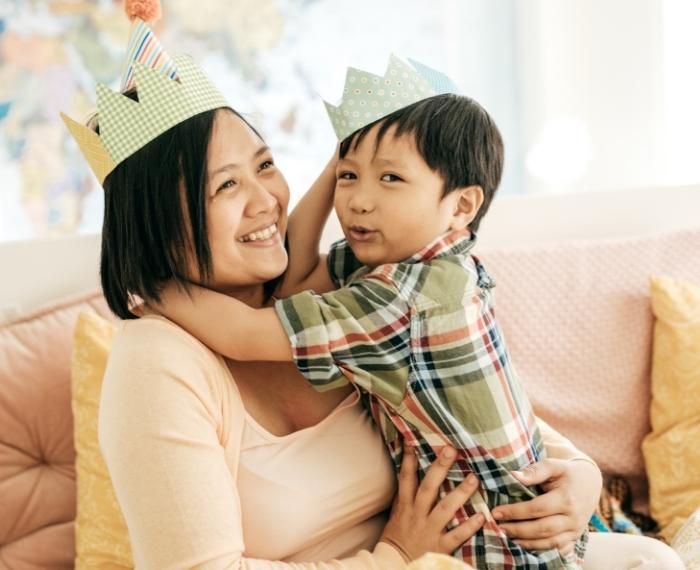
column 156, row 347
column 160, row 335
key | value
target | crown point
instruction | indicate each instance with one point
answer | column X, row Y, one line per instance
column 146, row 10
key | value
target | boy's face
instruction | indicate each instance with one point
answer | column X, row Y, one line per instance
column 389, row 202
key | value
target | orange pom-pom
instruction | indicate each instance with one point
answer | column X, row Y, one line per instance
column 146, row 10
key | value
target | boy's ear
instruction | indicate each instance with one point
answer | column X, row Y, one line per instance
column 469, row 200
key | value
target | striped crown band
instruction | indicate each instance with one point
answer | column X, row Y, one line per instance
column 170, row 90
column 368, row 97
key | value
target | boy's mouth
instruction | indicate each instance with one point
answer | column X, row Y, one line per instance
column 361, row 233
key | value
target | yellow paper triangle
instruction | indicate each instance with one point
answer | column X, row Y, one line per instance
column 92, row 148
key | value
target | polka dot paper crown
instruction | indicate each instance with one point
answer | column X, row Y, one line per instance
column 170, row 90
column 368, row 97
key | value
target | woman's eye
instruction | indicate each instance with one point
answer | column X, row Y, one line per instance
column 390, row 178
column 227, row 184
column 346, row 176
column 267, row 164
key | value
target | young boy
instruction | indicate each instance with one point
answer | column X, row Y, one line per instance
column 402, row 309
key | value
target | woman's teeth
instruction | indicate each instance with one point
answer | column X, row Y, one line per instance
column 260, row 235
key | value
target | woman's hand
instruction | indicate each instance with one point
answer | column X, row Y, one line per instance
column 417, row 524
column 556, row 518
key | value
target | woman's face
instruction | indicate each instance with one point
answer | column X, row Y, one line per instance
column 247, row 199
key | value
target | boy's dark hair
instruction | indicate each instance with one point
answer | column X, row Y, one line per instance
column 155, row 214
column 455, row 136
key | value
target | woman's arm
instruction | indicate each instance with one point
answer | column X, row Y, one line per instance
column 572, row 483
column 161, row 428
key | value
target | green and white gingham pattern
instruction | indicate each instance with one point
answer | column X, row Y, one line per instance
column 368, row 97
column 126, row 125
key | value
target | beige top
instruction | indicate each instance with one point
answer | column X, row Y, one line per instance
column 203, row 485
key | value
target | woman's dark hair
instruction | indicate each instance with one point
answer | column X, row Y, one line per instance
column 155, row 214
column 455, row 136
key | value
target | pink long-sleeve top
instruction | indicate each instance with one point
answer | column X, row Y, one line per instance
column 202, row 485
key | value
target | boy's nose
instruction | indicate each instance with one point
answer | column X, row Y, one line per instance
column 361, row 202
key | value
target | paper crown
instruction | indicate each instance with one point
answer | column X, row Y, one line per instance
column 368, row 97
column 170, row 90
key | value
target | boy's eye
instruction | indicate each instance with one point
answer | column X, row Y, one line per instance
column 391, row 178
column 347, row 176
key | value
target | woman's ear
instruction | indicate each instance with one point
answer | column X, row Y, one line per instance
column 469, row 200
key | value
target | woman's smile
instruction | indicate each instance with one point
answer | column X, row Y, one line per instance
column 261, row 236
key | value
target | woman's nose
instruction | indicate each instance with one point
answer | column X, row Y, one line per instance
column 262, row 199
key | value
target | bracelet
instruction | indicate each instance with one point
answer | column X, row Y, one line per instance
column 407, row 558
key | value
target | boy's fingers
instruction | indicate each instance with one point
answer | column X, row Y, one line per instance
column 455, row 538
column 445, row 510
column 430, row 485
column 408, row 477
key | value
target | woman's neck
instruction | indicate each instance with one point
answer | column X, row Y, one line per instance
column 252, row 296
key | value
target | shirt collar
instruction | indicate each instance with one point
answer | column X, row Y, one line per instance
column 455, row 242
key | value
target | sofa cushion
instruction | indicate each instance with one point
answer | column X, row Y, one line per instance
column 37, row 476
column 104, row 545
column 687, row 542
column 578, row 322
column 671, row 450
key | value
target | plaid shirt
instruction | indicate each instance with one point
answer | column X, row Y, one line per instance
column 421, row 341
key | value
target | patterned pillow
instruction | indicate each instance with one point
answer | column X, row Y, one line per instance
column 687, row 542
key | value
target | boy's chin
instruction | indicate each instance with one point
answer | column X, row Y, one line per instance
column 373, row 260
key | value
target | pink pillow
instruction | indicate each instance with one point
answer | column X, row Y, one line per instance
column 37, row 473
column 578, row 322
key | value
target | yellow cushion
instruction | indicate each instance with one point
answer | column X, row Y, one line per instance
column 671, row 450
column 101, row 538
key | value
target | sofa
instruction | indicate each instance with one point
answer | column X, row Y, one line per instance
column 572, row 275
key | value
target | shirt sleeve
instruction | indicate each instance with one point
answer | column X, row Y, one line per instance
column 360, row 333
column 342, row 262
column 161, row 430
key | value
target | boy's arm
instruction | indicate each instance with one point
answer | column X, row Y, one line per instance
column 307, row 268
column 226, row 325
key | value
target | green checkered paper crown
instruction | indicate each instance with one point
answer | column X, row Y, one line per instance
column 170, row 91
column 368, row 97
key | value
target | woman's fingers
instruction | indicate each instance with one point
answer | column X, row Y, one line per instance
column 547, row 527
column 445, row 510
column 539, row 472
column 408, row 477
column 455, row 538
column 430, row 485
column 540, row 506
column 563, row 542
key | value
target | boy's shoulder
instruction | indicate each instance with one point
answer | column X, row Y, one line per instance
column 435, row 281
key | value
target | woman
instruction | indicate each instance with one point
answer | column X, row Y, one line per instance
column 215, row 469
